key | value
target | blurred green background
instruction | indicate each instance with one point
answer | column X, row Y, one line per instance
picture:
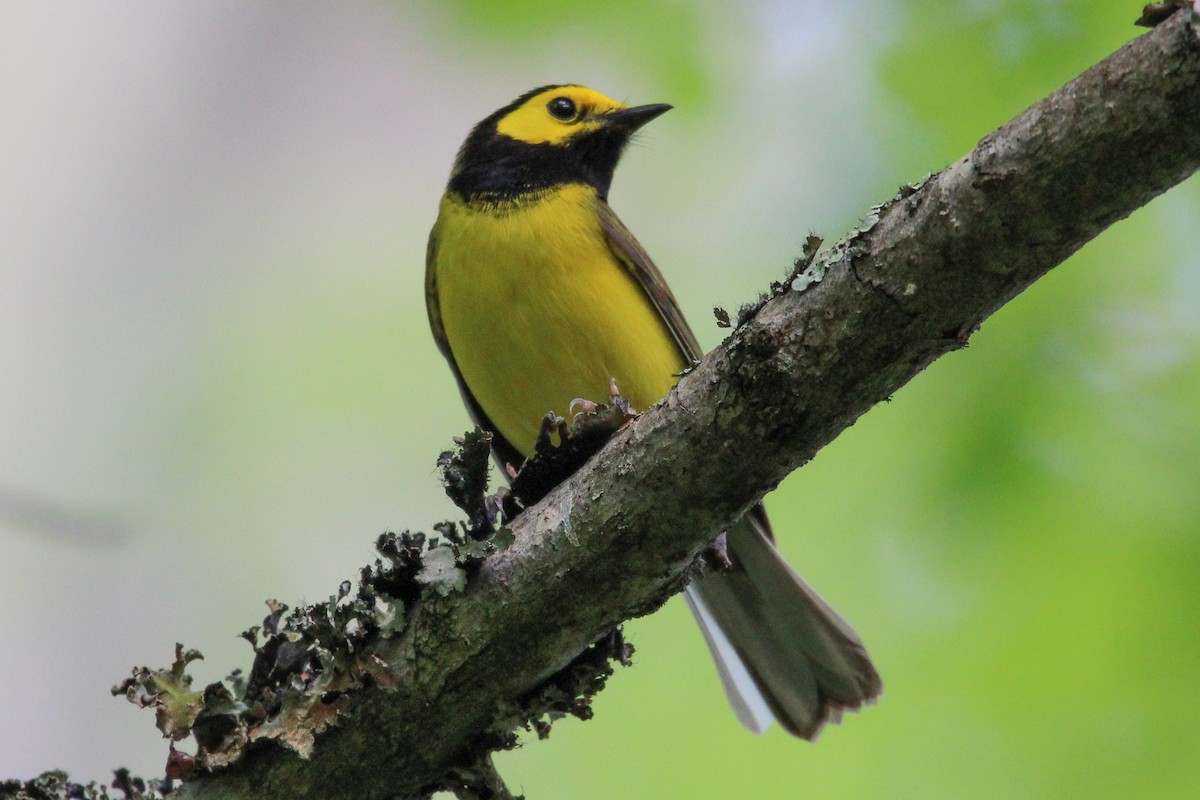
column 219, row 387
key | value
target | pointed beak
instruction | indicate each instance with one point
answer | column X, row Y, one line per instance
column 630, row 119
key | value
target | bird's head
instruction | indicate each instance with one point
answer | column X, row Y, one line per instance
column 548, row 136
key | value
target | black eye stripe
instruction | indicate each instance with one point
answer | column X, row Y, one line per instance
column 562, row 108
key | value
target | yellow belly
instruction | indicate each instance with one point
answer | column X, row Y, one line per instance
column 537, row 313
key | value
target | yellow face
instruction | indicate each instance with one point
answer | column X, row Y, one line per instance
column 557, row 115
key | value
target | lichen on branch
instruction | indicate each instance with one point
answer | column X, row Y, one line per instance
column 310, row 661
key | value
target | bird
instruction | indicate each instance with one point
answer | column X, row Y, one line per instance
column 537, row 295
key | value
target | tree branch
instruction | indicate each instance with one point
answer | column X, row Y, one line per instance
column 617, row 539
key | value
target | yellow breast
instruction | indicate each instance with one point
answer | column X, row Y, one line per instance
column 537, row 312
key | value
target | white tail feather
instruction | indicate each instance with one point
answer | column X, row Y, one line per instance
column 748, row 702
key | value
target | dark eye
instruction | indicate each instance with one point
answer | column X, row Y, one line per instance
column 562, row 108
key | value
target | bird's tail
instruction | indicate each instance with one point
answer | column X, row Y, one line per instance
column 782, row 652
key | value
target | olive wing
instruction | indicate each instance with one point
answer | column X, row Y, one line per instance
column 636, row 261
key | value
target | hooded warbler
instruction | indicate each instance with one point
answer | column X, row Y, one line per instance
column 538, row 294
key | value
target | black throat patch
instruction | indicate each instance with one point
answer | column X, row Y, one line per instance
column 498, row 167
